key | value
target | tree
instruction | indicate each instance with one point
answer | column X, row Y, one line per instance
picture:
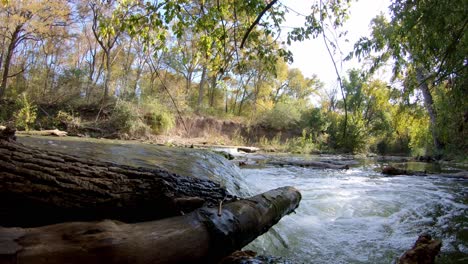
column 107, row 29
column 23, row 21
column 428, row 45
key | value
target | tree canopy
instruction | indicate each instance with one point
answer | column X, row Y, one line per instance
column 153, row 60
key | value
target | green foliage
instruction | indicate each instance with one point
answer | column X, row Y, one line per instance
column 357, row 135
column 427, row 44
column 7, row 110
column 157, row 117
column 420, row 137
column 66, row 121
column 126, row 119
column 284, row 115
column 26, row 113
column 302, row 145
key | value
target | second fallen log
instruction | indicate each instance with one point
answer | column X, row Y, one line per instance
column 203, row 236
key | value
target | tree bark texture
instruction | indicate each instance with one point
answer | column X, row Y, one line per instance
column 203, row 236
column 40, row 187
column 429, row 104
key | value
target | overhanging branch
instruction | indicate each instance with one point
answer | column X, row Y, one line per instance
column 257, row 20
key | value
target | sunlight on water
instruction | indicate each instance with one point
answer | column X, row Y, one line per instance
column 359, row 216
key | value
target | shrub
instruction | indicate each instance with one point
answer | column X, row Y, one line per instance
column 157, row 117
column 126, row 119
column 284, row 115
column 64, row 120
column 159, row 122
column 26, row 114
column 303, row 144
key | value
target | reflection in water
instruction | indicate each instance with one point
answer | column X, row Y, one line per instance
column 359, row 216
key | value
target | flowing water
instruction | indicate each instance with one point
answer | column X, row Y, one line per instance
column 360, row 216
column 345, row 216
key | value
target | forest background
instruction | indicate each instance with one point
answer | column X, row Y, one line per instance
column 133, row 69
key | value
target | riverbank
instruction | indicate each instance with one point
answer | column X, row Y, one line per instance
column 145, row 123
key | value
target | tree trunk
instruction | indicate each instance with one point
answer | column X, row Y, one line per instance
column 40, row 187
column 108, row 74
column 9, row 55
column 201, row 90
column 203, row 236
column 213, row 89
column 429, row 104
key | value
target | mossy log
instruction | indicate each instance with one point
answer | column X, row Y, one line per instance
column 202, row 236
column 40, row 187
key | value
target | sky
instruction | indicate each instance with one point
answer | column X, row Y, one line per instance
column 311, row 56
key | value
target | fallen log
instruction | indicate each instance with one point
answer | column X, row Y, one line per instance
column 424, row 251
column 308, row 163
column 390, row 170
column 40, row 187
column 53, row 132
column 198, row 237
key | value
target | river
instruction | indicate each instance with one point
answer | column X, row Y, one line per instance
column 345, row 216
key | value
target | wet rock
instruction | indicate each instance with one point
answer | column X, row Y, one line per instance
column 424, row 251
column 390, row 170
column 225, row 154
column 306, row 163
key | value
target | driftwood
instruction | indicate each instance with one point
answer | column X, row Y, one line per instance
column 53, row 132
column 198, row 237
column 305, row 163
column 39, row 187
column 392, row 171
column 424, row 251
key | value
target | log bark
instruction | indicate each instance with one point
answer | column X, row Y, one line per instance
column 40, row 187
column 202, row 236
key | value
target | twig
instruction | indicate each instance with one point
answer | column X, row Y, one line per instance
column 220, row 208
column 173, row 101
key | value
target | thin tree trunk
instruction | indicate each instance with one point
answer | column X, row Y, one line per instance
column 108, row 74
column 213, row 88
column 201, row 90
column 203, row 236
column 429, row 104
column 9, row 55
